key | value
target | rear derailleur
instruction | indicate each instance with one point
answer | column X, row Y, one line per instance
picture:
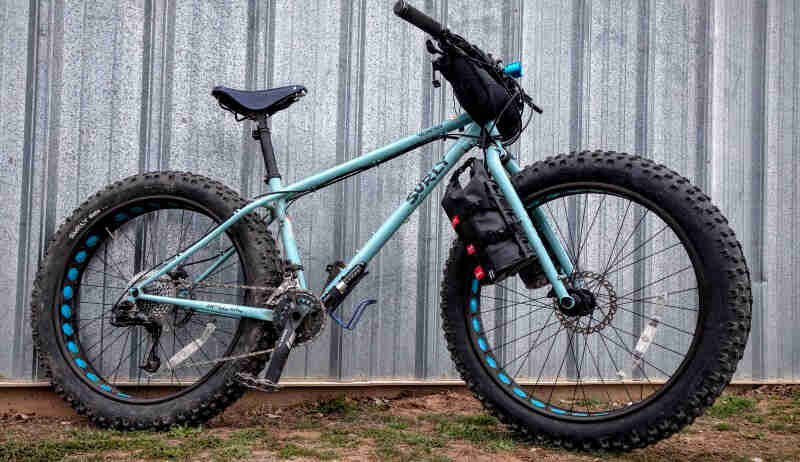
column 150, row 315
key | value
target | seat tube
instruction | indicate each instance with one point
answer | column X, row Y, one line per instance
column 286, row 231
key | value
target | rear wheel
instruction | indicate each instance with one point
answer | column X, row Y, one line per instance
column 664, row 319
column 158, row 370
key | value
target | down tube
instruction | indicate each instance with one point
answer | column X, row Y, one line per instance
column 420, row 193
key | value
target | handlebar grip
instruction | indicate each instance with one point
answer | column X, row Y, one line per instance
column 418, row 18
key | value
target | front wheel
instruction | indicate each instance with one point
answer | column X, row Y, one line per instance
column 665, row 320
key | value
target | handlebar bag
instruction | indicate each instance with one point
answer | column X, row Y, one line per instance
column 481, row 95
column 485, row 222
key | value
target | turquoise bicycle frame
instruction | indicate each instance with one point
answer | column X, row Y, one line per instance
column 500, row 166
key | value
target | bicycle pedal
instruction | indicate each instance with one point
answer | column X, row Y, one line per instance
column 255, row 383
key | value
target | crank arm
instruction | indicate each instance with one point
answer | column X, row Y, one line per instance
column 280, row 354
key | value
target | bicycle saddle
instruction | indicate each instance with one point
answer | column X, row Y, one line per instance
column 250, row 103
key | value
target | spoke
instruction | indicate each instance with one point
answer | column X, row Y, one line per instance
column 558, row 228
column 526, row 335
column 643, row 258
column 588, row 231
column 111, row 257
column 616, row 368
column 656, row 282
column 620, row 260
column 620, row 329
column 628, row 301
column 515, row 319
column 538, row 307
column 528, row 354
column 547, row 358
column 616, row 331
column 600, row 376
column 558, row 374
column 636, row 228
column 104, row 349
column 580, row 231
column 122, row 359
column 521, row 294
column 616, row 240
column 104, row 273
column 660, row 322
column 578, row 367
column 533, row 303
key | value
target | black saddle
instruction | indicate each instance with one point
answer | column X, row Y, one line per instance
column 251, row 104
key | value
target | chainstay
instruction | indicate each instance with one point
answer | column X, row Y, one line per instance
column 222, row 359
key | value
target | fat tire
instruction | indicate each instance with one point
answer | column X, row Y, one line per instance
column 726, row 326
column 218, row 391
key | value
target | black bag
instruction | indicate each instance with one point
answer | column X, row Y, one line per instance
column 486, row 223
column 483, row 97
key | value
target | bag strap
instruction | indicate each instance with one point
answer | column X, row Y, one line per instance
column 457, row 173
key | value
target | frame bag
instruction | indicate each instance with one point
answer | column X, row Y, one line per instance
column 485, row 222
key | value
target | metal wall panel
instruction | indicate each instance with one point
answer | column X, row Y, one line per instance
column 93, row 91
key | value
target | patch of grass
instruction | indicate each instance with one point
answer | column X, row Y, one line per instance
column 235, row 452
column 776, row 427
column 339, row 438
column 336, row 406
column 731, row 405
column 291, row 450
column 483, row 430
column 754, row 436
column 251, row 435
column 756, row 419
column 725, row 427
column 183, row 431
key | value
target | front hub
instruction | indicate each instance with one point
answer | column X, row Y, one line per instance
column 585, row 303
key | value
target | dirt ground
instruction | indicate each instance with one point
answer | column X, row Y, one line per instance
column 758, row 425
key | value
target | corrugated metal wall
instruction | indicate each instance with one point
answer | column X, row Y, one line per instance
column 93, row 91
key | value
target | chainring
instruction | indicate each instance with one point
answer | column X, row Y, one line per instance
column 313, row 323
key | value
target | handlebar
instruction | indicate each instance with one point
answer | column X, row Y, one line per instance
column 418, row 18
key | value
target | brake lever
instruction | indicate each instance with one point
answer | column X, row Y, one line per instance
column 432, row 48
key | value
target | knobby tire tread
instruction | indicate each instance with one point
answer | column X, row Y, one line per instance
column 729, row 348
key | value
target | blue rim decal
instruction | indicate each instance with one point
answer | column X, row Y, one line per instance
column 92, row 377
column 105, row 387
column 120, row 216
column 67, row 292
column 67, row 328
column 123, row 395
column 72, row 347
column 137, row 209
column 72, row 274
column 65, row 311
column 81, row 363
column 80, row 257
column 92, row 241
column 513, row 387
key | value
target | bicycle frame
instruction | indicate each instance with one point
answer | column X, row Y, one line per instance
column 278, row 196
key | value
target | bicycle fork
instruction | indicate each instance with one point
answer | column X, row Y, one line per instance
column 498, row 171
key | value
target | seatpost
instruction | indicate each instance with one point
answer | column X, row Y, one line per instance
column 262, row 133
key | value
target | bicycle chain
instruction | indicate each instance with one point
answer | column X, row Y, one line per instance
column 288, row 284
